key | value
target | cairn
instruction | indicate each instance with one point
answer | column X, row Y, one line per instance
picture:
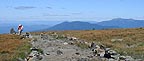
column 12, row 31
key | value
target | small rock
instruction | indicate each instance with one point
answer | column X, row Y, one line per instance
column 27, row 35
column 112, row 52
column 33, row 49
column 101, row 54
column 71, row 42
column 65, row 43
column 93, row 45
column 77, row 53
column 47, row 54
column 122, row 57
column 59, row 52
column 95, row 52
column 28, row 58
column 107, row 55
column 71, row 38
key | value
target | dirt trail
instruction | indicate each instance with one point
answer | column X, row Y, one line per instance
column 59, row 50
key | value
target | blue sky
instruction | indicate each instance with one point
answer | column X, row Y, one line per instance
column 70, row 10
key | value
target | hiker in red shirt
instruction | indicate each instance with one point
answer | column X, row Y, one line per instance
column 20, row 29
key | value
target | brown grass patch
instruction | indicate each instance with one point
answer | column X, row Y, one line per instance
column 11, row 46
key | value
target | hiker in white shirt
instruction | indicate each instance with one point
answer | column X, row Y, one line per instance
column 20, row 29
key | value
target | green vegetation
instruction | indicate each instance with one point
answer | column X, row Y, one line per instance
column 24, row 50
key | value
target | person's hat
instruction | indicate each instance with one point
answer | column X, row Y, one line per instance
column 20, row 24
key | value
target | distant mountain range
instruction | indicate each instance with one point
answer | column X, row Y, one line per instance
column 123, row 23
column 78, row 25
column 74, row 25
column 114, row 23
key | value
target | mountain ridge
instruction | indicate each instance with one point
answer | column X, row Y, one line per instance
column 110, row 24
column 78, row 25
column 123, row 23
